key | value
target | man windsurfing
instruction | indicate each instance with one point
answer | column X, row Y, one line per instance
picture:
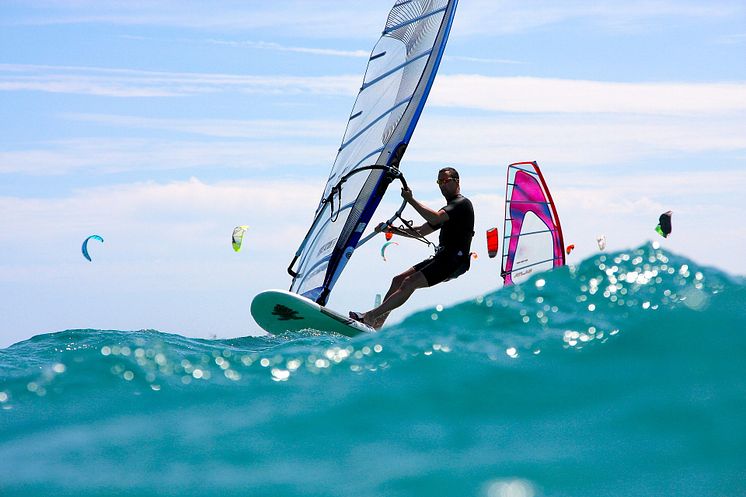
column 456, row 224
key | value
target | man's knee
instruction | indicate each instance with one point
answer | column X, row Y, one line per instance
column 400, row 278
column 414, row 281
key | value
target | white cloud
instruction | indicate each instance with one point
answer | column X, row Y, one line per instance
column 320, row 19
column 332, row 18
column 105, row 155
column 732, row 39
column 497, row 94
column 461, row 139
column 136, row 83
column 255, row 129
column 570, row 139
column 162, row 206
column 487, row 17
column 263, row 45
column 552, row 95
column 482, row 60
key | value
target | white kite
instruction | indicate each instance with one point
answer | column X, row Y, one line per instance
column 237, row 237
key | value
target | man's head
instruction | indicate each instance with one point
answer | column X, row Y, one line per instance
column 448, row 182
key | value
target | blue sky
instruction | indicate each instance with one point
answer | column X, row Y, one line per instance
column 162, row 125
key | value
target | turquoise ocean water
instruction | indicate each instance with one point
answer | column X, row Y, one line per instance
column 621, row 376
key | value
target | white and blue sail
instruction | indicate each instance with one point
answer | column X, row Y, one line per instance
column 400, row 73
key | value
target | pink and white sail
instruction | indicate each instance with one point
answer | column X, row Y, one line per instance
column 532, row 240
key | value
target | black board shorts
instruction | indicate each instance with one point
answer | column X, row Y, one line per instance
column 442, row 267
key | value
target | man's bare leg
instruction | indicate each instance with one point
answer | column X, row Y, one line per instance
column 376, row 317
column 395, row 284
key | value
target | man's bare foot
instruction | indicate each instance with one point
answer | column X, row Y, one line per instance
column 357, row 316
column 364, row 317
column 368, row 320
column 378, row 323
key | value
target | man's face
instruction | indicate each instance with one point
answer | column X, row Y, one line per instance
column 448, row 185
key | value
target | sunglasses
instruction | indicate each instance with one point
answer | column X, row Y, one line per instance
column 441, row 182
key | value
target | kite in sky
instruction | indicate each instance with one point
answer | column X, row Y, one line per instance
column 237, row 237
column 664, row 224
column 492, row 242
column 85, row 245
column 385, row 246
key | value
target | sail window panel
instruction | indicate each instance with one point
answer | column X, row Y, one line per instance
column 321, row 244
column 410, row 78
column 366, row 160
column 327, row 234
column 352, row 187
column 396, row 69
column 371, row 179
column 529, row 250
column 359, row 196
column 378, row 118
column 313, row 277
column 355, row 151
column 373, row 103
column 317, row 257
column 377, row 101
column 395, row 56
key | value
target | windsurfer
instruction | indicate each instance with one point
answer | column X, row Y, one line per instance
column 456, row 224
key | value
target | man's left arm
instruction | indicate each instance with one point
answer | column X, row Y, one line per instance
column 433, row 218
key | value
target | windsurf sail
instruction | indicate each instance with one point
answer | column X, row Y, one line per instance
column 400, row 73
column 533, row 236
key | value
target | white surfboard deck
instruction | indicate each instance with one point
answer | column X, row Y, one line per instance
column 279, row 311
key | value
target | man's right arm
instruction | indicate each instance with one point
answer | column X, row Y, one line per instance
column 414, row 232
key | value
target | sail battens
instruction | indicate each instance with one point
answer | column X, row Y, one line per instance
column 411, row 21
column 396, row 69
column 360, row 162
column 530, row 233
column 534, row 264
column 374, row 121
